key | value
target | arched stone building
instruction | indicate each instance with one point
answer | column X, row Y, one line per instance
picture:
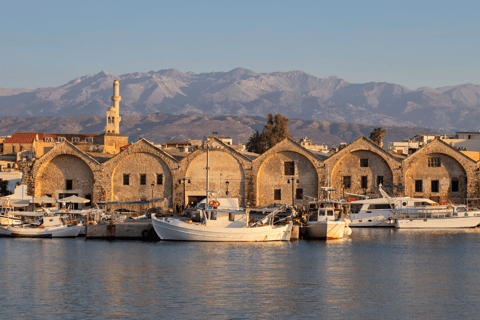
column 360, row 167
column 441, row 173
column 280, row 175
column 141, row 172
column 284, row 173
column 64, row 171
column 226, row 165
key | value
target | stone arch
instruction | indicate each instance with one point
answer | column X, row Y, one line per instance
column 157, row 181
column 359, row 167
column 224, row 166
column 436, row 166
column 272, row 179
column 64, row 174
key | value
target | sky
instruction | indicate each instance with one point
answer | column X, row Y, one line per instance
column 411, row 43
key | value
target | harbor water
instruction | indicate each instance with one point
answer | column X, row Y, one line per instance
column 373, row 274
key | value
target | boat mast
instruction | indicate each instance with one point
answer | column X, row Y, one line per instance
column 207, row 182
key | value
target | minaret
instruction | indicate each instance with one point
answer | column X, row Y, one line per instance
column 113, row 113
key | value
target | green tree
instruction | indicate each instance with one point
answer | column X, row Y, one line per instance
column 275, row 130
column 377, row 135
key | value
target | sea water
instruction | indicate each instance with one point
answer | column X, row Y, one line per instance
column 373, row 274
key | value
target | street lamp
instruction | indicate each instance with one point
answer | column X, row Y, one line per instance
column 184, row 180
column 292, row 181
column 227, row 183
column 153, row 186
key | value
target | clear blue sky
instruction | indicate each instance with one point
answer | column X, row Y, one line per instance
column 412, row 43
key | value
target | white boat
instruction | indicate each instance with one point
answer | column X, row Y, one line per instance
column 324, row 223
column 380, row 212
column 53, row 226
column 221, row 225
column 437, row 217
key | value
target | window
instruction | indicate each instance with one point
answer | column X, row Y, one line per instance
column 289, row 168
column 434, row 162
column 75, row 139
column 455, row 187
column 13, row 148
column 143, row 179
column 159, row 178
column 213, row 215
column 434, row 185
column 379, row 180
column 231, row 216
column 69, row 184
column 299, row 194
column 364, row 163
column 379, row 206
column 364, row 182
column 48, row 139
column 347, row 182
column 61, row 139
column 277, row 194
column 418, row 185
column 88, row 139
column 126, row 179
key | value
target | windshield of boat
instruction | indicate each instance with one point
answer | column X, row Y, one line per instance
column 201, row 205
column 420, row 204
column 461, row 209
column 355, row 208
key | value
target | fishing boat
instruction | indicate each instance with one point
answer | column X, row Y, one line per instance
column 327, row 219
column 222, row 225
column 52, row 226
column 325, row 223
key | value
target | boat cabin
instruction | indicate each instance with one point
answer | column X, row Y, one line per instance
column 323, row 214
column 225, row 218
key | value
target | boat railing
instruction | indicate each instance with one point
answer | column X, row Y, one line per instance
column 424, row 212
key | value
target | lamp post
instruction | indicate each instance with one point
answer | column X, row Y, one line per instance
column 184, row 180
column 153, row 186
column 292, row 181
column 226, row 192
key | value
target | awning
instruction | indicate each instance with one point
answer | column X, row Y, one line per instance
column 44, row 199
column 74, row 199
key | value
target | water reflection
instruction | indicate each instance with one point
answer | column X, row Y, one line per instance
column 375, row 273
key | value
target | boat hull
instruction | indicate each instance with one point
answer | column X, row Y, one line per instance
column 174, row 229
column 438, row 223
column 60, row 232
column 326, row 229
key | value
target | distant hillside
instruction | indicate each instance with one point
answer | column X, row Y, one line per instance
column 161, row 128
column 246, row 93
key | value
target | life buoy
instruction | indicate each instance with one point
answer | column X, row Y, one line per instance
column 214, row 204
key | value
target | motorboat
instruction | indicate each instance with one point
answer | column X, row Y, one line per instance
column 437, row 217
column 52, row 226
column 222, row 225
column 380, row 212
column 325, row 224
column 326, row 219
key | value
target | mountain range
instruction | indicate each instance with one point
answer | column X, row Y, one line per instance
column 242, row 92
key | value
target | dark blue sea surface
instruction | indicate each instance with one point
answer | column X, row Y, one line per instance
column 373, row 274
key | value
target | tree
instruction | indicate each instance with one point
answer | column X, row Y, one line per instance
column 274, row 131
column 377, row 135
